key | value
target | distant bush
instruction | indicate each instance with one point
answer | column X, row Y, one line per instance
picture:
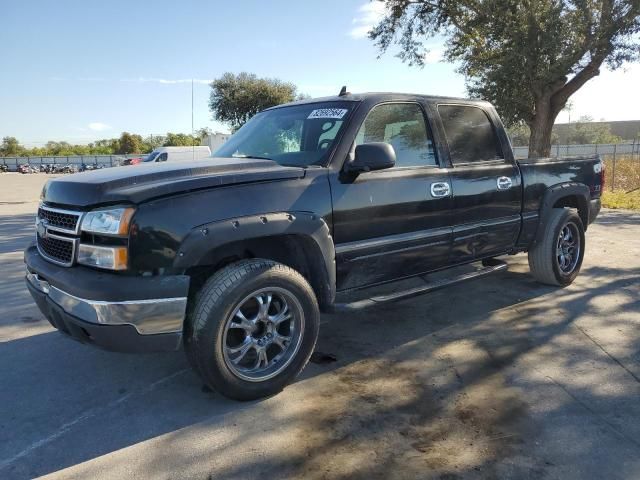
column 621, row 199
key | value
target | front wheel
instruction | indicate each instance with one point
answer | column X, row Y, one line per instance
column 557, row 256
column 252, row 329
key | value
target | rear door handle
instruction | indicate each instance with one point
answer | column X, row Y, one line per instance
column 440, row 189
column 504, row 183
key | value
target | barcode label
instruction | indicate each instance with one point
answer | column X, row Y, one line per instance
column 328, row 113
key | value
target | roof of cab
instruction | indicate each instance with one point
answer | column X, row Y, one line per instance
column 379, row 97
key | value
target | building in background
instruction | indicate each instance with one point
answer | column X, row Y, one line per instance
column 215, row 140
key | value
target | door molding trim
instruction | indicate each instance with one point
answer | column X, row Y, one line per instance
column 487, row 223
column 380, row 242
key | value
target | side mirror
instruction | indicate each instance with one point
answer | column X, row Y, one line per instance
column 372, row 156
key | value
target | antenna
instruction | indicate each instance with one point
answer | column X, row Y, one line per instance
column 343, row 91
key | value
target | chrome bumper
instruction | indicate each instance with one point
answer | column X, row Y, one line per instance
column 148, row 317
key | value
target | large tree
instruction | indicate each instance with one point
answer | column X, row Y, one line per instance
column 236, row 98
column 129, row 143
column 10, row 147
column 526, row 56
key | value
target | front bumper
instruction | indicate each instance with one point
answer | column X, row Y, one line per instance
column 128, row 314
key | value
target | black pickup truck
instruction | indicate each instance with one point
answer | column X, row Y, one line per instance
column 235, row 256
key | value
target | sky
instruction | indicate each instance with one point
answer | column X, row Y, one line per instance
column 83, row 70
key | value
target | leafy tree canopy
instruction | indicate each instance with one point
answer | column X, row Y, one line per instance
column 127, row 143
column 10, row 147
column 236, row 98
column 180, row 140
column 525, row 56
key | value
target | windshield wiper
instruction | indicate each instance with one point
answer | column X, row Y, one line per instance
column 256, row 157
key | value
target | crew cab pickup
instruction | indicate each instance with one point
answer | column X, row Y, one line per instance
column 233, row 257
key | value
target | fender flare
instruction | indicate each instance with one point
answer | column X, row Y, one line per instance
column 205, row 238
column 556, row 192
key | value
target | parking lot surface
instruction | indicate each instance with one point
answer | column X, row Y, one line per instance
column 498, row 378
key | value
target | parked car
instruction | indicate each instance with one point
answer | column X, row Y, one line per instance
column 25, row 168
column 233, row 258
column 173, row 154
column 3, row 168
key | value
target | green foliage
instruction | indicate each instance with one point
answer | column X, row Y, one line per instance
column 180, row 140
column 152, row 142
column 236, row 98
column 10, row 147
column 202, row 133
column 126, row 144
column 621, row 199
column 129, row 143
column 586, row 132
column 526, row 57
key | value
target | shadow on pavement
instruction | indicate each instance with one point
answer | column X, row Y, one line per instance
column 16, row 231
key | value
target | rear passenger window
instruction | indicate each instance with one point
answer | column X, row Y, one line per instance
column 403, row 126
column 470, row 134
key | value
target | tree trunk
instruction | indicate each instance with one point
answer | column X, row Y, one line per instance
column 541, row 127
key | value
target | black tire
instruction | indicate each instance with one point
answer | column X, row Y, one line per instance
column 207, row 326
column 544, row 261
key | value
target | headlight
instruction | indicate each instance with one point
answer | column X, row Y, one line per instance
column 114, row 221
column 113, row 258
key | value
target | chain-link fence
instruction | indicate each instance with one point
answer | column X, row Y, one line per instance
column 12, row 163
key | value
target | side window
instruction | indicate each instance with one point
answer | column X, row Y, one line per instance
column 403, row 126
column 162, row 157
column 470, row 134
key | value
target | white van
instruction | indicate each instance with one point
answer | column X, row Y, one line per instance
column 178, row 154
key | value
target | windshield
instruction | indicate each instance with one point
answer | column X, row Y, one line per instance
column 300, row 135
column 150, row 157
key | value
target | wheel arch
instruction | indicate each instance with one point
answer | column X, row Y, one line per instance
column 572, row 195
column 300, row 240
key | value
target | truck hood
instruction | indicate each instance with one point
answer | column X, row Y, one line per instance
column 139, row 183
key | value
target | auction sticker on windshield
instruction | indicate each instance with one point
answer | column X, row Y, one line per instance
column 328, row 113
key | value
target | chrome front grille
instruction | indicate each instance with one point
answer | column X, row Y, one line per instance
column 60, row 250
column 57, row 234
column 60, row 220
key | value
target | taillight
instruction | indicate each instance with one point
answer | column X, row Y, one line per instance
column 598, row 169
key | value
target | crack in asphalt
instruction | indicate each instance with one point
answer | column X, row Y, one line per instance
column 624, row 367
column 89, row 414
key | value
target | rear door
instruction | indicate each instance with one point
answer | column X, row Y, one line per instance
column 393, row 223
column 487, row 190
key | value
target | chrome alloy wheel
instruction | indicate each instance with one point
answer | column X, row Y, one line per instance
column 568, row 248
column 263, row 334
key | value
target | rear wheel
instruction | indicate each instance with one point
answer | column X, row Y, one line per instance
column 252, row 329
column 557, row 256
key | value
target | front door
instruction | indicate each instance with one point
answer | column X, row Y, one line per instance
column 486, row 184
column 393, row 223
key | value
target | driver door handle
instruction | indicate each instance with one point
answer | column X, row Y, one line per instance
column 440, row 189
column 504, row 183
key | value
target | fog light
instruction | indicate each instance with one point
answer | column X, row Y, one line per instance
column 112, row 258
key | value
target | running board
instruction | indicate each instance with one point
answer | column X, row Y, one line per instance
column 491, row 266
